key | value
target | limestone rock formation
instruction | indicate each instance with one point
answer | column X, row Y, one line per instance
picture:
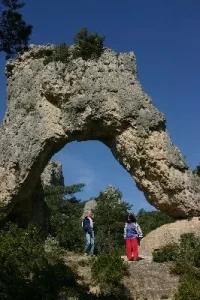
column 168, row 234
column 89, row 205
column 51, row 105
column 147, row 280
column 53, row 174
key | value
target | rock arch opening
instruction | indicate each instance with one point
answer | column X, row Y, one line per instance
column 93, row 164
column 53, row 105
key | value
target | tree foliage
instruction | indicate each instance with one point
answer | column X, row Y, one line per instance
column 88, row 45
column 108, row 271
column 14, row 32
column 110, row 216
column 197, row 170
column 186, row 257
column 167, row 253
column 65, row 215
column 27, row 271
column 152, row 220
column 60, row 53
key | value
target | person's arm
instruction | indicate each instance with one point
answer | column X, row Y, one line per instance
column 125, row 227
column 139, row 231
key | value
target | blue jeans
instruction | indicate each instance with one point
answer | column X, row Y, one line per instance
column 89, row 242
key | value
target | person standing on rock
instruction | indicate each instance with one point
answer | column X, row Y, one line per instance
column 88, row 227
column 132, row 236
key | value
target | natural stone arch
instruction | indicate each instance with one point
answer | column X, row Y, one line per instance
column 50, row 106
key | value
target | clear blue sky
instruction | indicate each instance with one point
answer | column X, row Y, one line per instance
column 165, row 38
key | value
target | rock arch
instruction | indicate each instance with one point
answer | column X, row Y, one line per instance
column 50, row 106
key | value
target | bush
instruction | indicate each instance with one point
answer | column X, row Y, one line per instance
column 27, row 271
column 197, row 170
column 189, row 289
column 167, row 253
column 108, row 271
column 188, row 259
column 88, row 45
column 60, row 53
column 65, row 216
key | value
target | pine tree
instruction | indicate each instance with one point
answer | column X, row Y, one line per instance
column 110, row 216
column 65, row 215
column 14, row 32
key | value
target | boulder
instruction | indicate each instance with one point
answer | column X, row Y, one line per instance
column 51, row 105
column 168, row 234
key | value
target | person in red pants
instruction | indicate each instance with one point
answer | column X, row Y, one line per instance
column 132, row 236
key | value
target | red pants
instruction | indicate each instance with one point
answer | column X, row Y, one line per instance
column 132, row 249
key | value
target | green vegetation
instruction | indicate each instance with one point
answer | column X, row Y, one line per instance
column 189, row 289
column 197, row 170
column 60, row 53
column 167, row 253
column 27, row 271
column 65, row 215
column 152, row 220
column 33, row 265
column 110, row 216
column 14, row 32
column 88, row 45
column 187, row 262
column 186, row 259
column 108, row 271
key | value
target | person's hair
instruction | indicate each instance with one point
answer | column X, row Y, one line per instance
column 131, row 218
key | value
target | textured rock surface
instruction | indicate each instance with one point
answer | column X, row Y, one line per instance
column 167, row 234
column 50, row 106
column 53, row 174
column 89, row 205
column 147, row 281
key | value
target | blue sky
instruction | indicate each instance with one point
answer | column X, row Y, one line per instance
column 165, row 38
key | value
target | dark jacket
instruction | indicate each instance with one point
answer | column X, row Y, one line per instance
column 86, row 225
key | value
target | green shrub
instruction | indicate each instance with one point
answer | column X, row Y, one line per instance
column 189, row 289
column 88, row 45
column 27, row 271
column 108, row 271
column 188, row 258
column 60, row 53
column 65, row 216
column 167, row 253
column 197, row 170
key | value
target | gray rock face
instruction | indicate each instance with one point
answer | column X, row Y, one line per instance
column 53, row 174
column 50, row 106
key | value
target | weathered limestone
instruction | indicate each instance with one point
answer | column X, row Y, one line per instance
column 53, row 174
column 168, row 234
column 50, row 106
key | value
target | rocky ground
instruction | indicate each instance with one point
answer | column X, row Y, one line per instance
column 147, row 281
